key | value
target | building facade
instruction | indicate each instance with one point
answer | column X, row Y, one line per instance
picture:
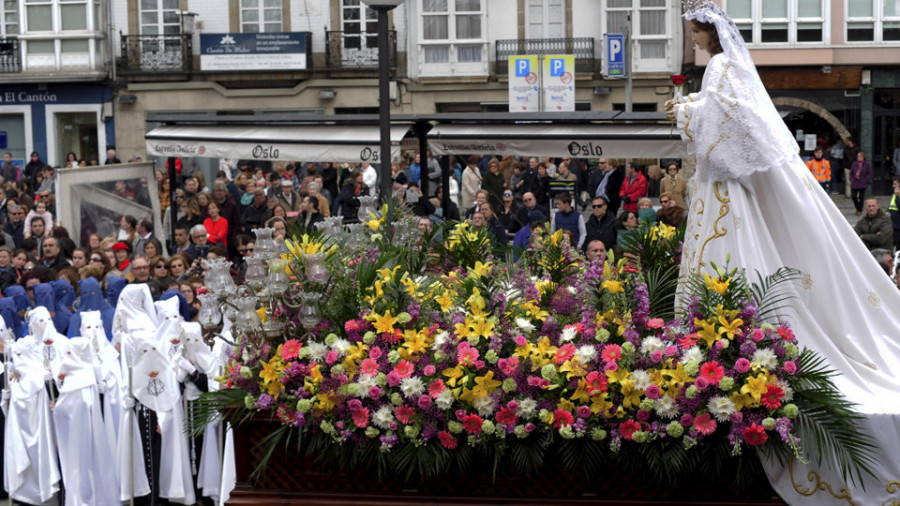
column 446, row 56
column 55, row 96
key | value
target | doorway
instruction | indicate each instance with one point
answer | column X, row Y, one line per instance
column 76, row 132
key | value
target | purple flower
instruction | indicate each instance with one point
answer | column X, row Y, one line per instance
column 264, row 402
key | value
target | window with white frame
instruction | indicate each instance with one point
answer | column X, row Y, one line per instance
column 76, row 22
column 545, row 19
column 9, row 17
column 453, row 38
column 359, row 24
column 160, row 17
column 779, row 21
column 260, row 16
column 651, row 32
column 873, row 20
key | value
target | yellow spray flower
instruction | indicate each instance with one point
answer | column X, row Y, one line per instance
column 612, row 286
column 716, row 284
column 481, row 270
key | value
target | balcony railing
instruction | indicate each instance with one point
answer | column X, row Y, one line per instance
column 357, row 50
column 581, row 47
column 10, row 55
column 155, row 53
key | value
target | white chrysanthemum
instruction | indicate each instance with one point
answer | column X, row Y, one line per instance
column 572, row 290
column 317, row 351
column 666, row 408
column 440, row 339
column 383, row 417
column 586, row 354
column 524, row 324
column 651, row 344
column 412, row 387
column 693, row 354
column 526, row 408
column 568, row 334
column 340, row 346
column 484, row 405
column 788, row 391
column 366, row 382
column 641, row 379
column 444, row 400
column 721, row 407
column 765, row 358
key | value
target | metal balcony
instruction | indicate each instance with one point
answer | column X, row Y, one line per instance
column 581, row 47
column 149, row 54
column 357, row 50
column 10, row 55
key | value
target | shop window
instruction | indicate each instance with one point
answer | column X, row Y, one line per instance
column 779, row 21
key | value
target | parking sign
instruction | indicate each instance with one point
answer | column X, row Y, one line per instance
column 615, row 55
column 524, row 84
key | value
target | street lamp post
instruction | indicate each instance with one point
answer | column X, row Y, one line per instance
column 384, row 98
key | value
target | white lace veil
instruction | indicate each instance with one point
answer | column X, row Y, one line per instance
column 774, row 143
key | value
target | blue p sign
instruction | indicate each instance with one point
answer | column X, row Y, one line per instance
column 522, row 67
column 615, row 50
column 557, row 67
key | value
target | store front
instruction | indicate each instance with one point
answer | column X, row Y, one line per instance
column 56, row 119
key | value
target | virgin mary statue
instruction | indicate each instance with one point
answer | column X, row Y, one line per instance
column 756, row 206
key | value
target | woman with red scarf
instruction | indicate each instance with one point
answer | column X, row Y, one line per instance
column 122, row 250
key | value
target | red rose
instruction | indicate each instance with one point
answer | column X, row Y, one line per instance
column 678, row 79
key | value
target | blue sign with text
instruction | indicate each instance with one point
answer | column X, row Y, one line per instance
column 615, row 54
column 254, row 51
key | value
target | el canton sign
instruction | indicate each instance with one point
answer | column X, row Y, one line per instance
column 253, row 51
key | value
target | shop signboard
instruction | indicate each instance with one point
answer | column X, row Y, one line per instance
column 253, row 51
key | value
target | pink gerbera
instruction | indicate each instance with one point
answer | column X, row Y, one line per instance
column 705, row 424
column 655, row 323
column 596, row 383
column 564, row 353
column 466, row 354
column 369, row 366
column 713, row 372
column 508, row 365
column 562, row 418
column 688, row 340
column 353, row 326
column 754, row 435
column 611, row 353
column 472, row 423
column 361, row 418
column 404, row 413
column 772, row 398
column 404, row 369
column 290, row 349
column 436, row 387
column 506, row 416
column 628, row 428
column 447, row 440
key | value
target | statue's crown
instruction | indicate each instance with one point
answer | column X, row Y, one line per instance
column 693, row 5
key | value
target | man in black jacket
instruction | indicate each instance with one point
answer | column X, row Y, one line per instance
column 309, row 213
column 606, row 182
column 602, row 225
column 15, row 225
column 256, row 214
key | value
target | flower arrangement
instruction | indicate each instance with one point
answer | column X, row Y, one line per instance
column 560, row 355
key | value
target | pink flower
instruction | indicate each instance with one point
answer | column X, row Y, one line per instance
column 656, row 356
column 331, row 357
column 757, row 335
column 375, row 353
column 611, row 366
column 712, row 371
column 790, row 367
column 611, row 353
column 520, row 340
column 466, row 354
column 742, row 365
column 436, row 387
column 537, row 381
column 424, row 402
column 583, row 411
column 447, row 440
column 565, row 353
column 290, row 349
column 701, row 382
column 393, row 379
column 772, row 398
column 652, row 391
column 628, row 428
column 705, row 424
column 354, row 404
column 643, row 415
column 404, row 369
column 472, row 423
column 671, row 351
column 686, row 420
column 596, row 383
column 513, row 405
column 737, row 417
column 369, row 366
column 754, row 435
column 562, row 418
column 404, row 413
column 508, row 365
column 655, row 323
column 429, row 370
column 353, row 326
column 786, row 334
column 374, row 392
column 507, row 416
column 360, row 417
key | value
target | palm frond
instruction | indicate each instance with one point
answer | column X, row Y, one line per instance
column 662, row 283
column 772, row 293
column 227, row 403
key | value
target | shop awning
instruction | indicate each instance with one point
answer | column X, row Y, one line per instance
column 558, row 140
column 311, row 143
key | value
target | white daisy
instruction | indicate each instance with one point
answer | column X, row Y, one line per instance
column 651, row 344
column 764, row 358
column 666, row 408
column 586, row 354
column 365, row 382
column 527, row 408
column 412, row 387
column 317, row 351
column 721, row 407
column 693, row 354
column 439, row 340
column 484, row 405
column 524, row 324
column 444, row 400
column 788, row 391
column 641, row 379
column 383, row 417
column 568, row 333
column 341, row 346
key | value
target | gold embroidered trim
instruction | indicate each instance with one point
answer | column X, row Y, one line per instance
column 738, row 223
column 818, row 485
column 892, row 487
column 807, row 281
column 874, row 300
column 687, row 123
column 723, row 199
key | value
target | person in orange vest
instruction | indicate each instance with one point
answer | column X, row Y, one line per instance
column 820, row 168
